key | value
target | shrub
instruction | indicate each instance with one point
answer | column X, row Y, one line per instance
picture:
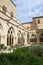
column 20, row 56
column 5, row 47
column 1, row 46
column 4, row 60
column 41, row 43
column 36, row 49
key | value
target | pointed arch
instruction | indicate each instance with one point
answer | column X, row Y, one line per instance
column 19, row 35
column 33, row 38
column 10, row 36
column 41, row 37
column 20, row 38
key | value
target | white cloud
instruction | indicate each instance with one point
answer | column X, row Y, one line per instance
column 28, row 8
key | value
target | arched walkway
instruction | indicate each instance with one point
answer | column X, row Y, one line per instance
column 20, row 38
column 10, row 36
column 41, row 37
column 33, row 38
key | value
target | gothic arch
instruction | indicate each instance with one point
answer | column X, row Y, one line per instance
column 10, row 36
column 41, row 37
column 20, row 38
column 12, row 29
column 33, row 38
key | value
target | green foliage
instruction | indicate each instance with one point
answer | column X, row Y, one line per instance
column 24, row 57
column 41, row 43
column 20, row 56
column 36, row 49
column 1, row 46
column 4, row 60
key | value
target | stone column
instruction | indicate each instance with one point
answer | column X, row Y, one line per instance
column 25, row 40
column 38, row 38
column 0, row 38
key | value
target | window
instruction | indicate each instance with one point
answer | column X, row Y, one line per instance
column 41, row 37
column 27, row 27
column 10, row 36
column 32, row 34
column 4, row 9
column 33, row 38
column 38, row 21
column 11, row 14
column 21, row 39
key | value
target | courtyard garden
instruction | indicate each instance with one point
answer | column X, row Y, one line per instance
column 30, row 55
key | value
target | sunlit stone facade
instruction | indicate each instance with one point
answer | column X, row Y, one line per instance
column 35, row 29
column 11, row 31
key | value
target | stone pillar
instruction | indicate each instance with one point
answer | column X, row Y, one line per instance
column 0, row 38
column 25, row 39
column 38, row 38
column 29, row 40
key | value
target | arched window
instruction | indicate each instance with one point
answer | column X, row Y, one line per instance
column 38, row 21
column 20, row 38
column 41, row 37
column 12, row 14
column 4, row 9
column 33, row 38
column 27, row 27
column 10, row 36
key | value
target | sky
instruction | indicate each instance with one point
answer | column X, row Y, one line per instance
column 27, row 9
